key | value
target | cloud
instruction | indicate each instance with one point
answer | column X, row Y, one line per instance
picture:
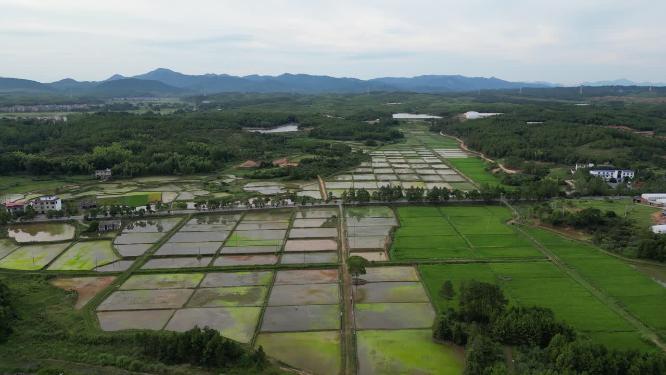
column 564, row 41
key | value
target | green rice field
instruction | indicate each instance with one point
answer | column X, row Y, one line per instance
column 32, row 257
column 474, row 168
column 85, row 256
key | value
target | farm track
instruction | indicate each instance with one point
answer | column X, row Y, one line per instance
column 349, row 348
column 599, row 294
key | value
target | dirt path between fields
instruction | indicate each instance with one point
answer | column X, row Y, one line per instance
column 349, row 343
column 464, row 147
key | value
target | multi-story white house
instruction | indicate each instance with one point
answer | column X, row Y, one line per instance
column 103, row 174
column 42, row 205
column 613, row 175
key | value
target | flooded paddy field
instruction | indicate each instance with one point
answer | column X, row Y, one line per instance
column 301, row 318
column 311, row 245
column 189, row 248
column 137, row 319
column 49, row 232
column 133, row 250
column 306, row 276
column 251, row 249
column 312, row 257
column 6, row 247
column 163, row 281
column 220, row 279
column 313, row 233
column 245, row 260
column 229, row 296
column 146, row 299
column 315, row 294
column 117, row 266
column 236, row 323
column 177, row 262
column 85, row 255
column 151, row 225
column 32, row 257
column 394, row 315
column 391, row 291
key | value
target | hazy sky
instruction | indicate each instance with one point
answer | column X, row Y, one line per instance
column 564, row 41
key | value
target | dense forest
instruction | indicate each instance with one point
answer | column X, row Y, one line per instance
column 179, row 143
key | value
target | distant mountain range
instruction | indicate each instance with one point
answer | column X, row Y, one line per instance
column 623, row 82
column 165, row 82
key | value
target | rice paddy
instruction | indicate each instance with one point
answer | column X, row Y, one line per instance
column 85, row 256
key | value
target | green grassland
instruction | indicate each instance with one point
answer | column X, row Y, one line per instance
column 637, row 293
column 458, row 232
column 405, row 352
column 85, row 256
column 475, row 168
column 641, row 214
column 539, row 284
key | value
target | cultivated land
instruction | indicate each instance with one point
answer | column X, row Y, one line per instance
column 286, row 295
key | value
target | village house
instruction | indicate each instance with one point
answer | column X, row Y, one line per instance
column 103, row 174
column 607, row 173
column 44, row 204
column 15, row 206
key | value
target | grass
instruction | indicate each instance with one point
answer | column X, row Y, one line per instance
column 539, row 284
column 32, row 257
column 405, row 352
column 135, row 199
column 641, row 214
column 455, row 232
column 85, row 256
column 316, row 352
column 475, row 168
column 637, row 293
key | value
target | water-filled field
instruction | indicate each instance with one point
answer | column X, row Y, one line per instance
column 32, row 257
column 48, row 232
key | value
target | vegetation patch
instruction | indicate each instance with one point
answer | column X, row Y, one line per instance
column 85, row 256
column 163, row 281
column 32, row 257
column 316, row 352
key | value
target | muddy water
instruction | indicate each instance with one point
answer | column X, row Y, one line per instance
column 311, row 245
column 301, row 318
column 316, row 294
column 229, row 296
column 306, row 277
column 41, row 232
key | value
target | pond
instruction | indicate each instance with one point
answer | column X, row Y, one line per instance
column 286, row 128
column 41, row 232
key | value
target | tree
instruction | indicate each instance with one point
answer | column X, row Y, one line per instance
column 481, row 302
column 356, row 266
column 482, row 354
column 447, row 291
column 7, row 312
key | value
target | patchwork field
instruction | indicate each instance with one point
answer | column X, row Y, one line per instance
column 463, row 232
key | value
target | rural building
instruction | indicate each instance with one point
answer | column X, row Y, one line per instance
column 103, row 174
column 44, row 204
column 653, row 198
column 613, row 175
column 659, row 229
column 15, row 206
column 414, row 116
column 108, row 226
column 249, row 164
column 87, row 204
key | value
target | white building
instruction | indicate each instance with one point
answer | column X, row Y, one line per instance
column 103, row 174
column 659, row 229
column 618, row 175
column 414, row 116
column 42, row 205
column 653, row 198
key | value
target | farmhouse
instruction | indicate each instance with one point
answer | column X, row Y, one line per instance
column 44, row 204
column 613, row 175
column 108, row 226
column 15, row 206
column 103, row 174
column 414, row 116
column 659, row 229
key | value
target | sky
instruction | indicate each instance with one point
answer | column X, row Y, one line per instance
column 564, row 41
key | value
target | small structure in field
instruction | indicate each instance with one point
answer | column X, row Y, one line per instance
column 108, row 226
column 283, row 163
column 249, row 164
column 474, row 115
column 103, row 174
